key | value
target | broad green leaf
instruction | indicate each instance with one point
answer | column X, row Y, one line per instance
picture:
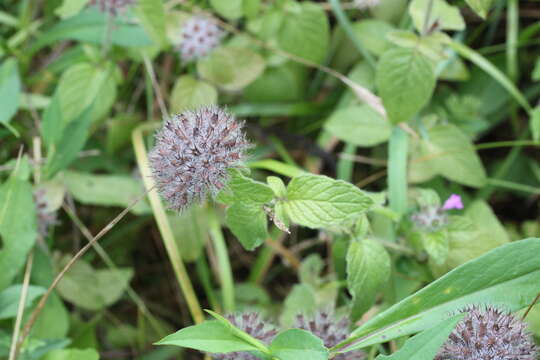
column 230, row 9
column 151, row 14
column 90, row 26
column 70, row 8
column 277, row 167
column 231, row 68
column 106, row 190
column 297, row 344
column 72, row 354
column 189, row 94
column 425, row 345
column 190, row 231
column 368, row 269
column 277, row 185
column 10, row 90
column 405, row 80
column 277, row 84
column 534, row 123
column 107, row 286
column 506, row 276
column 37, row 348
column 301, row 299
column 248, row 223
column 10, row 297
column 18, row 228
column 447, row 17
column 359, row 125
column 305, row 32
column 251, row 8
column 247, row 190
column 436, row 245
column 432, row 46
column 372, row 34
column 210, row 336
column 449, row 152
column 481, row 7
column 319, row 201
column 70, row 143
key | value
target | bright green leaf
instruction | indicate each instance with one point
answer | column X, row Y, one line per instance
column 10, row 297
column 359, row 125
column 72, row 354
column 368, row 269
column 70, row 8
column 247, row 190
column 230, row 9
column 447, row 17
column 151, row 13
column 405, row 80
column 372, row 34
column 248, row 223
column 10, row 90
column 481, row 7
column 189, row 94
column 319, row 201
column 297, row 344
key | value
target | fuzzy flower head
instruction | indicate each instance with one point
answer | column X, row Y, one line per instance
column 112, row 7
column 489, row 334
column 253, row 324
column 430, row 218
column 46, row 216
column 330, row 330
column 192, row 154
column 200, row 35
column 365, row 4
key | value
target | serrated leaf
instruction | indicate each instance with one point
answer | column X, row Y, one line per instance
column 372, row 34
column 318, row 201
column 405, row 80
column 230, row 9
column 446, row 16
column 359, row 125
column 189, row 94
column 210, row 336
column 506, row 276
column 305, row 32
column 106, row 190
column 231, row 68
column 297, row 344
column 436, row 245
column 481, row 7
column 247, row 190
column 449, row 152
column 10, row 90
column 18, row 228
column 151, row 14
column 248, row 223
column 10, row 297
column 277, row 186
column 368, row 269
column 425, row 345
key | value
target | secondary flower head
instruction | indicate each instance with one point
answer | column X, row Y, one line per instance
column 113, row 7
column 330, row 330
column 46, row 217
column 365, row 4
column 200, row 35
column 253, row 324
column 193, row 152
column 453, row 202
column 489, row 334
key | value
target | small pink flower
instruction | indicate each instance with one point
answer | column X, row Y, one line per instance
column 453, row 202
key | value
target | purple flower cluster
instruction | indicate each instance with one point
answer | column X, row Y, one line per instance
column 45, row 216
column 112, row 7
column 489, row 334
column 433, row 218
column 200, row 35
column 192, row 154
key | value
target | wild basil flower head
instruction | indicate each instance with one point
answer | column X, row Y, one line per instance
column 200, row 35
column 112, row 7
column 193, row 152
column 253, row 324
column 489, row 334
column 330, row 330
column 46, row 217
column 365, row 4
column 432, row 218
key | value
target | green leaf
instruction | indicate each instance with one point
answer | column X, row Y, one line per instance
column 277, row 185
column 247, row 190
column 534, row 123
column 425, row 345
column 297, row 344
column 151, row 14
column 319, row 201
column 251, row 7
column 506, row 276
column 368, row 269
column 248, row 223
column 10, row 90
column 189, row 94
column 405, row 80
column 106, row 190
column 449, row 152
column 90, row 26
column 302, row 296
column 481, row 7
column 277, row 84
column 436, row 245
column 536, row 72
column 107, row 286
column 359, row 125
column 18, row 228
column 446, row 16
column 305, row 32
column 190, row 231
column 10, row 297
column 70, row 8
column 372, row 34
column 230, row 9
column 231, row 68
column 72, row 354
column 210, row 336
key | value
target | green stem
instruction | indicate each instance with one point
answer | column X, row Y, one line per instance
column 345, row 165
column 164, row 226
column 514, row 186
column 397, row 170
column 203, row 272
column 500, row 144
column 224, row 270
